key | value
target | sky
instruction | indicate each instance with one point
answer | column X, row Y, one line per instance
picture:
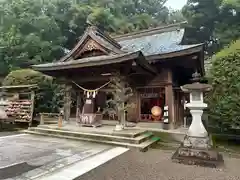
column 176, row 4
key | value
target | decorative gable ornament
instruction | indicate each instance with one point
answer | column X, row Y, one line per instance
column 91, row 46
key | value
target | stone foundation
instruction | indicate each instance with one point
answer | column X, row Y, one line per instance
column 198, row 151
column 197, row 142
column 200, row 157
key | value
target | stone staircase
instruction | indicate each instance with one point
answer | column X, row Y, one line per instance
column 139, row 139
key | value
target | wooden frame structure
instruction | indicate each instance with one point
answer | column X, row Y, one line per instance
column 20, row 110
column 149, row 59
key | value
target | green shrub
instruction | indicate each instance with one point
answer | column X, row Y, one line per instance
column 48, row 96
column 224, row 99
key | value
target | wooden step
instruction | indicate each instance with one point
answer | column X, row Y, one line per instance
column 142, row 146
column 89, row 135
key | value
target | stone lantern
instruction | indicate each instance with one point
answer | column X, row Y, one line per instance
column 196, row 106
column 197, row 146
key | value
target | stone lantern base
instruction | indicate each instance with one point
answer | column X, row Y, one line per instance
column 197, row 151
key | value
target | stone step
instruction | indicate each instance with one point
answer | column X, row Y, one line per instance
column 144, row 146
column 136, row 140
column 51, row 122
column 126, row 133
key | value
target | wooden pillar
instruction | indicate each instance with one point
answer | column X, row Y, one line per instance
column 41, row 119
column 138, row 106
column 181, row 108
column 67, row 103
column 78, row 104
column 132, row 115
column 177, row 103
column 32, row 107
column 170, row 99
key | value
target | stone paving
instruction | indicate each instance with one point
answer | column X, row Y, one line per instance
column 28, row 156
column 8, row 133
column 157, row 165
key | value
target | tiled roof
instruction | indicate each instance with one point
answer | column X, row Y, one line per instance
column 162, row 43
column 165, row 42
column 156, row 41
column 151, row 42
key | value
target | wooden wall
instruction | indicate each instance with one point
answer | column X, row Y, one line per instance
column 173, row 98
column 165, row 80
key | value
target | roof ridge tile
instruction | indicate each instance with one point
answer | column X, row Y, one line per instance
column 149, row 31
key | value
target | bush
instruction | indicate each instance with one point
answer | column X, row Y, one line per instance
column 48, row 96
column 224, row 100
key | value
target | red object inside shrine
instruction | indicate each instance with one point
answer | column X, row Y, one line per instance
column 146, row 106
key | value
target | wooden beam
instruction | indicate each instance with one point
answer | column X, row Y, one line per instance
column 91, row 79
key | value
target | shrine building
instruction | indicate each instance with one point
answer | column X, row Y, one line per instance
column 153, row 61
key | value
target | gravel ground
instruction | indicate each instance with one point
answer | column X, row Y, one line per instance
column 157, row 165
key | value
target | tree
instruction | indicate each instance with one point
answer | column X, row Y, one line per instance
column 33, row 31
column 214, row 22
column 27, row 34
column 201, row 17
column 49, row 96
column 175, row 16
column 224, row 100
column 227, row 27
column 121, row 96
column 127, row 15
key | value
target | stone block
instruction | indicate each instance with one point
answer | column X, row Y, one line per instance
column 201, row 157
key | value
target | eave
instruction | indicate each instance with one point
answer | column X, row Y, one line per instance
column 87, row 62
column 167, row 57
column 94, row 61
column 184, row 52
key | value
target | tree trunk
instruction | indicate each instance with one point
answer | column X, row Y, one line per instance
column 122, row 116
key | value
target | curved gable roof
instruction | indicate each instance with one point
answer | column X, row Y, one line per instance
column 99, row 37
column 155, row 43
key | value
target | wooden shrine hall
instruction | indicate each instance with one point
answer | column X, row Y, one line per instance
column 153, row 61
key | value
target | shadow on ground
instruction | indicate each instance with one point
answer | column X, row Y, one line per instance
column 15, row 170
